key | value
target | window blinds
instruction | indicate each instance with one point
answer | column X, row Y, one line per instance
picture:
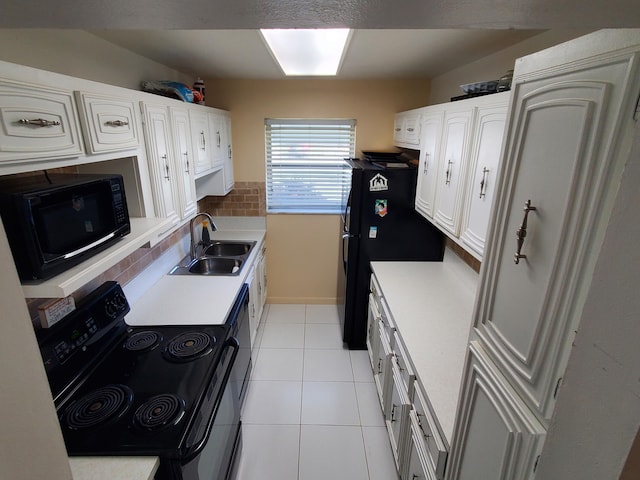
column 306, row 172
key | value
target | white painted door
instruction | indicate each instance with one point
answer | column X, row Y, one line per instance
column 201, row 140
column 456, row 137
column 560, row 155
column 496, row 436
column 483, row 170
column 431, row 131
column 161, row 165
column 184, row 162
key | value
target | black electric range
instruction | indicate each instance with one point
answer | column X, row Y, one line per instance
column 166, row 391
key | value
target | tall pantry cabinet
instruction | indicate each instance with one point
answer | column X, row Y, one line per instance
column 571, row 121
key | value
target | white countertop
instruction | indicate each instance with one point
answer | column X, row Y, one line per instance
column 432, row 305
column 111, row 468
column 194, row 299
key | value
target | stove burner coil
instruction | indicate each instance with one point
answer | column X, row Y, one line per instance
column 140, row 341
column 101, row 405
column 189, row 346
column 160, row 412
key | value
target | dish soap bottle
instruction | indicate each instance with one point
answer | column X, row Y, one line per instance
column 206, row 239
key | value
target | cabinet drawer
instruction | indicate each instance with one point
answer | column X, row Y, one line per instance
column 37, row 122
column 109, row 124
column 428, row 428
column 405, row 371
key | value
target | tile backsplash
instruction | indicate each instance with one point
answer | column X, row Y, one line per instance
column 247, row 199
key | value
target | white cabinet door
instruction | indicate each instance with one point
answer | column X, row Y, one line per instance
column 496, row 436
column 483, row 173
column 382, row 366
column 252, row 281
column 397, row 416
column 431, row 131
column 373, row 337
column 109, row 124
column 201, row 140
column 183, row 156
column 217, row 134
column 406, row 130
column 417, row 465
column 559, row 156
column 37, row 122
column 456, row 139
column 161, row 164
column 228, row 152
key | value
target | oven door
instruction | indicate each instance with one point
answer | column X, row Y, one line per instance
column 216, row 440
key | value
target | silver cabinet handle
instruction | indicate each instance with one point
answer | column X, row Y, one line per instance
column 166, row 165
column 483, row 182
column 229, row 148
column 204, row 142
column 186, row 159
column 393, row 412
column 398, row 129
column 218, row 139
column 426, row 162
column 447, row 180
column 117, row 123
column 39, row 122
column 521, row 233
column 410, row 130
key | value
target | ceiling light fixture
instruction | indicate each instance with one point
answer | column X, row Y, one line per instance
column 307, row 52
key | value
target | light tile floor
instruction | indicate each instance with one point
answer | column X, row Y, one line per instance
column 311, row 411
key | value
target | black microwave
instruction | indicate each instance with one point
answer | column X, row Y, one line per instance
column 55, row 221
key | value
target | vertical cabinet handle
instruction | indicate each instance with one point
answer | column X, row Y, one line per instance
column 393, row 412
column 186, row 159
column 447, row 180
column 218, row 138
column 426, row 162
column 204, row 142
column 521, row 233
column 483, row 182
column 229, row 151
column 166, row 166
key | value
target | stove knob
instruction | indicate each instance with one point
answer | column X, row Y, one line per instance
column 119, row 300
column 110, row 310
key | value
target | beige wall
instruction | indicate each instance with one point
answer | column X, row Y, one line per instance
column 492, row 67
column 303, row 250
column 83, row 55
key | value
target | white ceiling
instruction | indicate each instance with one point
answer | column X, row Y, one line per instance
column 370, row 53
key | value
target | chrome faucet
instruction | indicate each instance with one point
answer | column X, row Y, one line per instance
column 193, row 246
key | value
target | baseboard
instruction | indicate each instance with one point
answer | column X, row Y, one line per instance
column 303, row 300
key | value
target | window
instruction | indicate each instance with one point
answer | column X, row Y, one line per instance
column 306, row 172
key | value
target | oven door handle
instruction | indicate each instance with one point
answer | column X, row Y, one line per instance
column 191, row 452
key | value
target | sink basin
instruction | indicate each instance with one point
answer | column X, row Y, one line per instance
column 216, row 266
column 228, row 249
column 218, row 258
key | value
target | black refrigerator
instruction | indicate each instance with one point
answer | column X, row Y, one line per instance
column 379, row 222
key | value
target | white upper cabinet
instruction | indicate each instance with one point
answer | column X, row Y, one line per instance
column 229, row 180
column 201, row 140
column 431, row 131
column 496, row 437
column 406, row 130
column 162, row 168
column 109, row 124
column 217, row 128
column 483, row 172
column 456, row 141
column 562, row 164
column 37, row 122
column 183, row 155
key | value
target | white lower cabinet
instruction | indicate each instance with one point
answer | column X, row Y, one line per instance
column 497, row 437
column 417, row 463
column 257, row 281
column 397, row 414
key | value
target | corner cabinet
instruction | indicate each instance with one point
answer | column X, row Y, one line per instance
column 459, row 154
column 406, row 130
column 37, row 122
column 570, row 126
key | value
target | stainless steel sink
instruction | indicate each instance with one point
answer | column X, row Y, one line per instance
column 228, row 249
column 216, row 258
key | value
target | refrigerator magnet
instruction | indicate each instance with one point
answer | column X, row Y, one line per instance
column 373, row 232
column 381, row 207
